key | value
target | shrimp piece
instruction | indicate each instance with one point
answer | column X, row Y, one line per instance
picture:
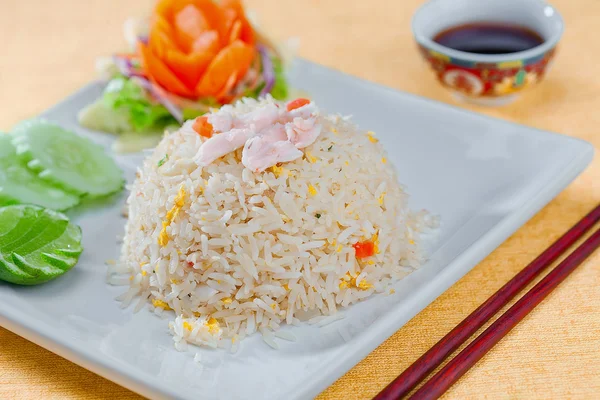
column 268, row 149
column 259, row 155
column 224, row 120
column 260, row 119
column 306, row 111
column 302, row 132
column 221, row 121
column 270, row 134
column 223, row 143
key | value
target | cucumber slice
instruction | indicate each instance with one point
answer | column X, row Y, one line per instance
column 20, row 185
column 22, row 228
column 65, row 159
column 12, row 220
column 36, row 227
column 40, row 246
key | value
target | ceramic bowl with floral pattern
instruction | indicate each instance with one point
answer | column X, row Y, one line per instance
column 488, row 79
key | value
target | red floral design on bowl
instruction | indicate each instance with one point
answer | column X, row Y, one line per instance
column 488, row 79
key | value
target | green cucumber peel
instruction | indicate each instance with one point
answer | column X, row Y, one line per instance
column 20, row 185
column 36, row 244
column 63, row 159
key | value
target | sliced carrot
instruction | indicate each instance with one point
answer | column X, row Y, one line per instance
column 159, row 72
column 169, row 8
column 247, row 32
column 191, row 20
column 236, row 31
column 160, row 38
column 207, row 42
column 235, row 58
column 164, row 8
column 229, row 17
column 199, row 44
column 188, row 67
column 159, row 42
column 235, row 5
column 189, row 24
column 212, row 12
column 294, row 104
column 160, row 22
column 364, row 249
column 203, row 127
column 230, row 84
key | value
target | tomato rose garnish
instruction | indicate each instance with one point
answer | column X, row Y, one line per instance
column 198, row 48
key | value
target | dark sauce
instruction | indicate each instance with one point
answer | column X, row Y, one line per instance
column 489, row 38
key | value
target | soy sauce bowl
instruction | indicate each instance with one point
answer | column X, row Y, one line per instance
column 488, row 79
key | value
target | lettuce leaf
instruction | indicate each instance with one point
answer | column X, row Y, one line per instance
column 124, row 96
column 280, row 90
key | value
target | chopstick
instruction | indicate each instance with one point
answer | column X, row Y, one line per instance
column 429, row 361
column 447, row 376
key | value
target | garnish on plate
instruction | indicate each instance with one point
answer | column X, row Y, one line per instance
column 44, row 165
column 18, row 184
column 364, row 249
column 65, row 160
column 163, row 160
column 36, row 244
column 188, row 57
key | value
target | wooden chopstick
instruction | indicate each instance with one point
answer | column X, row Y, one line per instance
column 451, row 372
column 429, row 361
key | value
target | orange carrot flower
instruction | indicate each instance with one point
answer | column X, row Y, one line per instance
column 198, row 48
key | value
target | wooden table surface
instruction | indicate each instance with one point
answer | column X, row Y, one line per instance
column 49, row 49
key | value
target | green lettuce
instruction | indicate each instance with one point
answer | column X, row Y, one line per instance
column 125, row 96
column 280, row 89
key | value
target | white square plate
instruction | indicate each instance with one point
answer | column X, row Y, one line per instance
column 483, row 176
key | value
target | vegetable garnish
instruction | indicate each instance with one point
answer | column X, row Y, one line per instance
column 163, row 160
column 66, row 160
column 20, row 185
column 203, row 127
column 36, row 244
column 197, row 54
column 364, row 249
column 280, row 90
column 295, row 104
column 129, row 95
column 195, row 46
column 268, row 72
